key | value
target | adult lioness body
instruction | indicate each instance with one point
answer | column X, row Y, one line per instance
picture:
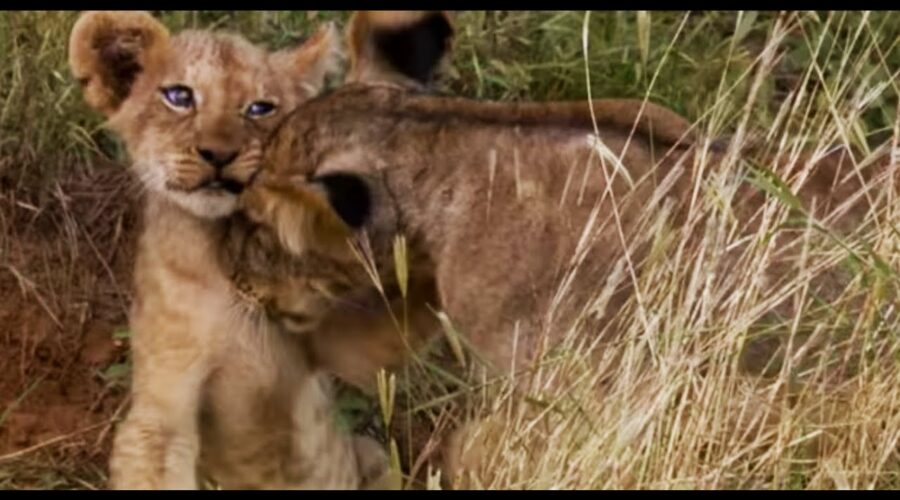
column 211, row 379
column 520, row 213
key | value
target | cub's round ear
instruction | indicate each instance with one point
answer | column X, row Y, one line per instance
column 403, row 47
column 107, row 51
column 349, row 197
column 308, row 64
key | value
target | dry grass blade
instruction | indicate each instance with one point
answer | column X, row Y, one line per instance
column 31, row 449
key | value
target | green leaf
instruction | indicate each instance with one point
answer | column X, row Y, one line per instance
column 117, row 371
column 771, row 183
column 122, row 334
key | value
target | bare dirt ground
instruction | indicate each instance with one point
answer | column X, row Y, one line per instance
column 64, row 288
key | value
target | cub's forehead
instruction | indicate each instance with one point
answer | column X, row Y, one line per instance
column 206, row 58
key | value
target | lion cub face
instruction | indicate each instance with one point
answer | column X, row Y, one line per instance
column 194, row 108
column 195, row 128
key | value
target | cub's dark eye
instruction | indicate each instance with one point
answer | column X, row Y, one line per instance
column 178, row 96
column 259, row 109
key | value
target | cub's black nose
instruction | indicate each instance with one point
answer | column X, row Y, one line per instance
column 217, row 158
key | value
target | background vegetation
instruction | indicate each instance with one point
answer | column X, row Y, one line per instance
column 801, row 78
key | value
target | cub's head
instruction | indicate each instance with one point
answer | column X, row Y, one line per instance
column 194, row 108
column 403, row 49
column 319, row 212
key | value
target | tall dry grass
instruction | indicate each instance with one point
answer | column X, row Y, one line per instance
column 669, row 403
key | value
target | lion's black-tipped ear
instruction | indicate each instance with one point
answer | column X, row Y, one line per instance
column 107, row 51
column 400, row 47
column 349, row 196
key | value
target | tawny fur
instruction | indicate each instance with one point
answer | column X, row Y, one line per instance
column 213, row 379
column 494, row 212
column 496, row 201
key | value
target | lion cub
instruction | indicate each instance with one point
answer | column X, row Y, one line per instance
column 213, row 380
column 333, row 174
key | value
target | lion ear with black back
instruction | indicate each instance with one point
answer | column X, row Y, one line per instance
column 108, row 50
column 402, row 47
column 349, row 196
